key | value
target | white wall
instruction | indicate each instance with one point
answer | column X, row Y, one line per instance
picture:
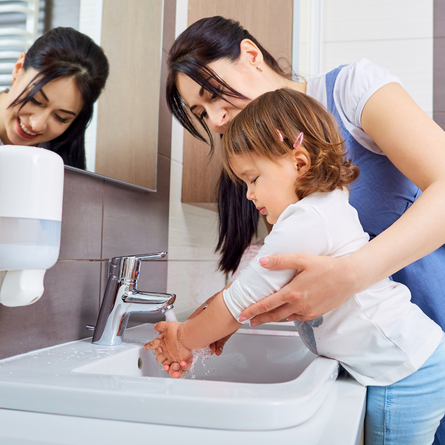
column 397, row 34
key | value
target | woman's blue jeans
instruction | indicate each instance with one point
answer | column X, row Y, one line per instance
column 409, row 411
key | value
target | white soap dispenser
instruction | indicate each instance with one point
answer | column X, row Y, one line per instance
column 31, row 195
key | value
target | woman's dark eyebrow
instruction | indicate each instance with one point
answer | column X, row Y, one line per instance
column 46, row 98
column 69, row 112
column 43, row 94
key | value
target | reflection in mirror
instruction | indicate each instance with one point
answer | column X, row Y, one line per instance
column 121, row 142
column 51, row 83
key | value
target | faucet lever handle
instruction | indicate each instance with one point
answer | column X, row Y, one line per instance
column 151, row 256
column 127, row 267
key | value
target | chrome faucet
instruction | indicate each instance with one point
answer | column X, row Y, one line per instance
column 121, row 298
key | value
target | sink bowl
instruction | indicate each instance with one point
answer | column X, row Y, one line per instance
column 270, row 375
column 249, row 357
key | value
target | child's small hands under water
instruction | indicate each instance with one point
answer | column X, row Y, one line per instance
column 169, row 350
column 178, row 370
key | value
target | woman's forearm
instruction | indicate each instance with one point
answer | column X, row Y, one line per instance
column 212, row 324
column 415, row 144
column 418, row 232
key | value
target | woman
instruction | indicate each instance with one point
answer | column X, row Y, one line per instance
column 216, row 67
column 55, row 85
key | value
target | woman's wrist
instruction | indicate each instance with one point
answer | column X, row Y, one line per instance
column 350, row 273
column 365, row 267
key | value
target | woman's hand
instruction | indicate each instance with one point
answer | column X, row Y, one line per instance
column 322, row 283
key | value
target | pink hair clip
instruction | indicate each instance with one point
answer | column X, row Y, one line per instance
column 298, row 141
column 279, row 133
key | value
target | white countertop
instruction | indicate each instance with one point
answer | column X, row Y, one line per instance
column 339, row 422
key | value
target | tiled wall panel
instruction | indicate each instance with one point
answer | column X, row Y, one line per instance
column 417, row 78
column 193, row 282
column 193, row 230
column 81, row 237
column 69, row 303
column 352, row 20
column 396, row 34
column 192, row 266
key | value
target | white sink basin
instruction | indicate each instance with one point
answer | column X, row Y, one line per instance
column 264, row 380
column 260, row 357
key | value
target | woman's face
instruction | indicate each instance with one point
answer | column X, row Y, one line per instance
column 217, row 113
column 46, row 116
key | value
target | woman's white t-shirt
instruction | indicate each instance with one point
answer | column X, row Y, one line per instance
column 378, row 335
column 354, row 85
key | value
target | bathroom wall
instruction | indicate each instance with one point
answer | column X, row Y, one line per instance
column 396, row 34
column 101, row 219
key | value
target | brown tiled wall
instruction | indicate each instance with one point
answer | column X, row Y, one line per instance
column 101, row 219
column 439, row 63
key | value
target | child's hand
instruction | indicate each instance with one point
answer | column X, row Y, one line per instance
column 217, row 347
column 156, row 346
column 178, row 370
column 168, row 346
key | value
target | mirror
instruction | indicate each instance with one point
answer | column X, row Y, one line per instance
column 121, row 142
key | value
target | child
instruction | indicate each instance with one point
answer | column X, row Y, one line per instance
column 287, row 150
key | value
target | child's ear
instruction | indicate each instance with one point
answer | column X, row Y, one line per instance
column 301, row 160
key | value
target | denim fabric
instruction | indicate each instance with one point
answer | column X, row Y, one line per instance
column 409, row 411
column 381, row 195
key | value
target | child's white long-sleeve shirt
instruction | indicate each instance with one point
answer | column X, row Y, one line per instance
column 378, row 335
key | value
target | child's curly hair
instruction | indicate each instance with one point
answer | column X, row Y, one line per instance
column 290, row 112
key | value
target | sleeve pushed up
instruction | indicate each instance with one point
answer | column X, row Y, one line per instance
column 300, row 229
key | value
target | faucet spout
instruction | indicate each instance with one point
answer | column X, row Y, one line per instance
column 122, row 298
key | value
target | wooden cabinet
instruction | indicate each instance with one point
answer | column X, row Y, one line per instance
column 270, row 22
column 128, row 111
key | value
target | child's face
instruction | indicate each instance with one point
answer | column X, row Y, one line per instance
column 270, row 185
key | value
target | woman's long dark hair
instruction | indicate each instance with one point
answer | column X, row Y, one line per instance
column 65, row 52
column 206, row 41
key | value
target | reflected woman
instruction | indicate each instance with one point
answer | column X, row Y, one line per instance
column 54, row 87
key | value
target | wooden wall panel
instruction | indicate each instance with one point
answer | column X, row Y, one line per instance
column 270, row 22
column 128, row 110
